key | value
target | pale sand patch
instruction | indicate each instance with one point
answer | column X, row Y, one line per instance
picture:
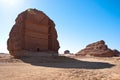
column 62, row 70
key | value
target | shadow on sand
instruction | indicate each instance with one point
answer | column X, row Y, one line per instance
column 65, row 62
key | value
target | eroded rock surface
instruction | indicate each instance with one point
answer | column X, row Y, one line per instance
column 99, row 49
column 32, row 31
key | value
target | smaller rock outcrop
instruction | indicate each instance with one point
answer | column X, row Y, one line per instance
column 116, row 52
column 66, row 52
column 99, row 49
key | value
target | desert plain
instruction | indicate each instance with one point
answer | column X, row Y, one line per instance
column 59, row 68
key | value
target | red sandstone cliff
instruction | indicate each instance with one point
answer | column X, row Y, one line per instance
column 33, row 31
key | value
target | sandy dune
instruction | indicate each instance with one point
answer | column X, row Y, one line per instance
column 59, row 68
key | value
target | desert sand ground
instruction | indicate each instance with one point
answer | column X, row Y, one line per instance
column 59, row 68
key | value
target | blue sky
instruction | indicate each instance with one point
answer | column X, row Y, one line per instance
column 78, row 22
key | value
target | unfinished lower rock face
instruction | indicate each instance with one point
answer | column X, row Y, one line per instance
column 33, row 31
column 99, row 49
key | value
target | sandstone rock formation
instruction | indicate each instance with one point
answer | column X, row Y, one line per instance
column 116, row 52
column 66, row 52
column 33, row 31
column 99, row 49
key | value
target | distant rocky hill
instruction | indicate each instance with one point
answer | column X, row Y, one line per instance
column 99, row 49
